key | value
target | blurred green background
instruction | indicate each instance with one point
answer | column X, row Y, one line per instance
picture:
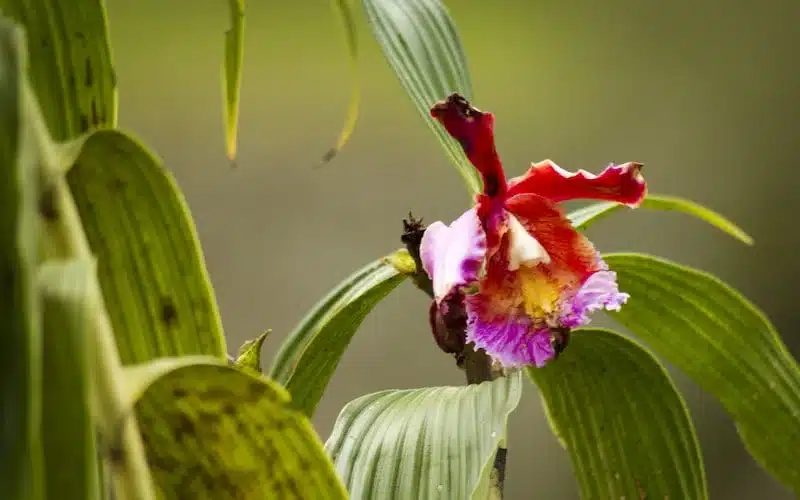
column 704, row 93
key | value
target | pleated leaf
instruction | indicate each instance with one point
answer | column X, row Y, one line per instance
column 420, row 41
column 308, row 357
column 215, row 431
column 437, row 442
column 723, row 342
column 588, row 215
column 621, row 419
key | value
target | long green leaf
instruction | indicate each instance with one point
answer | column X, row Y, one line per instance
column 588, row 215
column 214, row 431
column 307, row 359
column 623, row 422
column 68, row 432
column 420, row 41
column 346, row 12
column 232, row 74
column 70, row 62
column 150, row 264
column 436, row 442
column 20, row 334
column 712, row 333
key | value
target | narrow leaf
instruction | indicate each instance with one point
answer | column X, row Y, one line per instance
column 20, row 334
column 214, row 431
column 436, row 442
column 71, row 67
column 68, row 432
column 150, row 264
column 250, row 353
column 232, row 74
column 588, row 215
column 347, row 13
column 311, row 353
column 420, row 41
column 623, row 422
column 712, row 333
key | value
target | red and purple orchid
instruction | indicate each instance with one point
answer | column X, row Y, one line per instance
column 514, row 264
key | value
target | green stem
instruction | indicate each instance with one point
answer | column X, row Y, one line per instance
column 64, row 238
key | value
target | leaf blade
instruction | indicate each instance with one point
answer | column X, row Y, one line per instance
column 597, row 395
column 214, row 431
column 422, row 443
column 71, row 68
column 584, row 217
column 308, row 357
column 232, row 75
column 723, row 342
column 152, row 271
column 420, row 41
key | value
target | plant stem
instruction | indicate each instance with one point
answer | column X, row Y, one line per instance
column 477, row 364
column 64, row 238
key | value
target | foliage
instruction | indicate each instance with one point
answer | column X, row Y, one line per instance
column 115, row 372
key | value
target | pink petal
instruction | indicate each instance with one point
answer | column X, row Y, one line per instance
column 453, row 255
column 510, row 339
column 621, row 183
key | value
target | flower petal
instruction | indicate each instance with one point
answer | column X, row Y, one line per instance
column 599, row 291
column 510, row 339
column 572, row 256
column 474, row 130
column 621, row 183
column 453, row 255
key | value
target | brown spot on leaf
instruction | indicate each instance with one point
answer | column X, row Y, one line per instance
column 169, row 315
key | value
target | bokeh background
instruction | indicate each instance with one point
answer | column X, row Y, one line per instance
column 704, row 92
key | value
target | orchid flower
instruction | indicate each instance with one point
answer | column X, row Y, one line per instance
column 513, row 266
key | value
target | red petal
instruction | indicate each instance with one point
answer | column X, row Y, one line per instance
column 474, row 130
column 570, row 251
column 621, row 183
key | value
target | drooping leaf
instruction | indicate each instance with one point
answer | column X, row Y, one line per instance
column 68, row 433
column 436, row 442
column 345, row 10
column 420, row 41
column 20, row 333
column 588, row 215
column 150, row 264
column 71, row 68
column 250, row 353
column 215, row 431
column 308, row 357
column 623, row 422
column 722, row 341
column 232, row 74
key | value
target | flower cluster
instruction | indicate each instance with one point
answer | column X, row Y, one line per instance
column 513, row 263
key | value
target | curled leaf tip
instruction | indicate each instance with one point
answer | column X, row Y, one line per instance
column 250, row 353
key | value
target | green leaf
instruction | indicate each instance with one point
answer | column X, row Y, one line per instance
column 68, row 434
column 436, row 442
column 214, row 431
column 150, row 264
column 586, row 216
column 250, row 353
column 71, row 68
column 623, row 422
column 232, row 69
column 346, row 12
column 420, row 41
column 308, row 357
column 723, row 342
column 20, row 333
